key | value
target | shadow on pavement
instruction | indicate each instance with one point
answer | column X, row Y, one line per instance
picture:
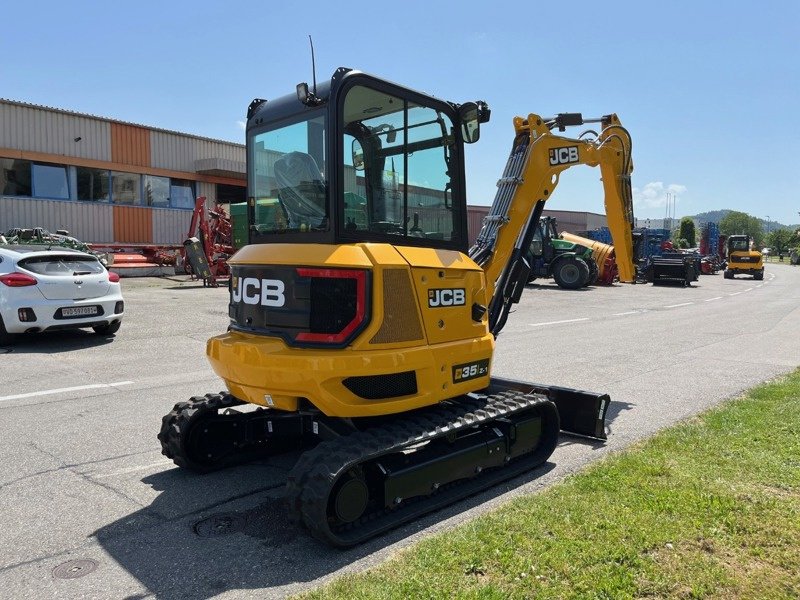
column 50, row 342
column 202, row 553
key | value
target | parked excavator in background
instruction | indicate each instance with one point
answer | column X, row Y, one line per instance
column 742, row 259
column 362, row 326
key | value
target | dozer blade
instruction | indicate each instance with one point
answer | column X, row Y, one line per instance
column 581, row 413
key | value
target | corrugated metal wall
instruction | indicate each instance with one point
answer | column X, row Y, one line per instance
column 475, row 215
column 178, row 153
column 209, row 190
column 130, row 145
column 40, row 130
column 133, row 224
column 87, row 221
column 97, row 222
column 170, row 226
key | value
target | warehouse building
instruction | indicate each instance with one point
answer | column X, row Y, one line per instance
column 577, row 222
column 108, row 181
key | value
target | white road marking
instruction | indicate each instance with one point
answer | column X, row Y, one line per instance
column 93, row 386
column 716, row 298
column 630, row 312
column 558, row 322
column 759, row 285
column 734, row 294
column 748, row 289
column 677, row 305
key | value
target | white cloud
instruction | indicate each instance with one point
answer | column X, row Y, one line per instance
column 241, row 125
column 654, row 194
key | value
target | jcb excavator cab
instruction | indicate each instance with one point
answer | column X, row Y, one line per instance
column 359, row 159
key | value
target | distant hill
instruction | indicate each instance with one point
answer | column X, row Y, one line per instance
column 712, row 216
column 715, row 216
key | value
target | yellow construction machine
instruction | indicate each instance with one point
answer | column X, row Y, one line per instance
column 741, row 259
column 360, row 323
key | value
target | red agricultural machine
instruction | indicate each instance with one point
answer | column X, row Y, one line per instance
column 208, row 244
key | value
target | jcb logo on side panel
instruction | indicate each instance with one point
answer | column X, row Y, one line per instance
column 564, row 156
column 447, row 297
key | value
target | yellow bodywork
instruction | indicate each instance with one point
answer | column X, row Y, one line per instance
column 754, row 261
column 403, row 334
column 611, row 151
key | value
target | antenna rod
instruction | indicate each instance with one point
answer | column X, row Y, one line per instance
column 313, row 65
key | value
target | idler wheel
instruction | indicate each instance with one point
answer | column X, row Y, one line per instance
column 351, row 499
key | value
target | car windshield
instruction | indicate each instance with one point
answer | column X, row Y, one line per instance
column 62, row 264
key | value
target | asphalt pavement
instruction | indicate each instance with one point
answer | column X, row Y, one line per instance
column 91, row 509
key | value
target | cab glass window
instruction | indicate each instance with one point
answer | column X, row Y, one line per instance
column 396, row 167
column 288, row 181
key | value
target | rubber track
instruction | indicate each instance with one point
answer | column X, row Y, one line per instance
column 312, row 479
column 176, row 424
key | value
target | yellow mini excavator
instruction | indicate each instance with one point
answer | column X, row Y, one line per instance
column 360, row 323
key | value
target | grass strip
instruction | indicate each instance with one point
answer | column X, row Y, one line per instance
column 709, row 508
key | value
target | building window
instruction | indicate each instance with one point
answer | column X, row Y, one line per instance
column 181, row 193
column 156, row 191
column 231, row 194
column 15, row 177
column 125, row 188
column 50, row 181
column 93, row 184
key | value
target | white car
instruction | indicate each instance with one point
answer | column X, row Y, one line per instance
column 50, row 288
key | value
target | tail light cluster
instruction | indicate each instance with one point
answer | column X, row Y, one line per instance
column 305, row 306
column 113, row 277
column 17, row 280
column 338, row 304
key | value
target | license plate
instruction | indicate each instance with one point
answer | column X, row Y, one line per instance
column 79, row 311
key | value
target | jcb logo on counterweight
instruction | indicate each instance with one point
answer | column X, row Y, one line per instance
column 447, row 297
column 266, row 292
column 563, row 156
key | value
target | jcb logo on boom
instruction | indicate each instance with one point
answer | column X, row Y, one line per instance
column 447, row 297
column 266, row 292
column 563, row 156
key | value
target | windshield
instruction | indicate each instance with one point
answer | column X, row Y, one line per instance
column 397, row 178
column 740, row 244
column 288, row 180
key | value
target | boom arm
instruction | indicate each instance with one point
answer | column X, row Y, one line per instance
column 537, row 159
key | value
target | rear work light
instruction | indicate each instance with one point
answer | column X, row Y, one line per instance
column 113, row 277
column 18, row 280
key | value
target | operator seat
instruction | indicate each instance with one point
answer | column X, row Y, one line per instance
column 301, row 190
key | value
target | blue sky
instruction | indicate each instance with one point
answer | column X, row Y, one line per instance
column 709, row 90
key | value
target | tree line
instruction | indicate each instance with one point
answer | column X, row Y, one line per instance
column 780, row 240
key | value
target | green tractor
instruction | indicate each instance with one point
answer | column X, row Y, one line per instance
column 570, row 264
